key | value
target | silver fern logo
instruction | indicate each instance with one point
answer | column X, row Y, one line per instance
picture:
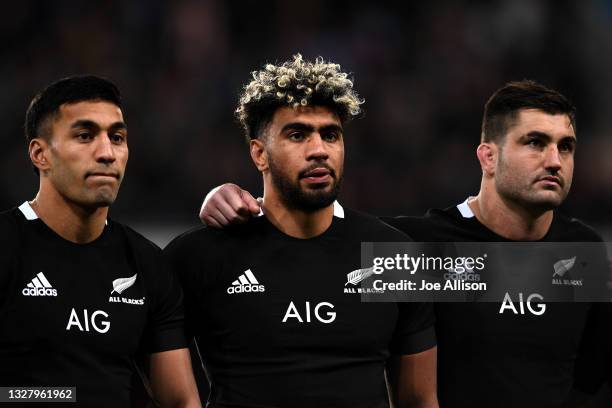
column 121, row 284
column 562, row 266
column 358, row 275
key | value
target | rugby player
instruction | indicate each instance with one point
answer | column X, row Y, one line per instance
column 82, row 295
column 268, row 302
column 491, row 355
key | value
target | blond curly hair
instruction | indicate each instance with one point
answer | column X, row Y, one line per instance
column 295, row 83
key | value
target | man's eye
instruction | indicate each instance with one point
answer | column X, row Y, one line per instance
column 566, row 147
column 84, row 136
column 117, row 138
column 296, row 136
column 331, row 136
column 535, row 143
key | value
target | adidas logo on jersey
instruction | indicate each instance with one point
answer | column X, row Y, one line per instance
column 246, row 283
column 39, row 286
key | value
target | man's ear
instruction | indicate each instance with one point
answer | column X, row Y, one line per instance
column 38, row 150
column 487, row 153
column 259, row 154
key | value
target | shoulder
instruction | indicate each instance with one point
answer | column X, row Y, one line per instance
column 142, row 253
column 366, row 226
column 10, row 220
column 203, row 237
column 210, row 245
column 428, row 227
column 11, row 224
column 566, row 228
column 136, row 240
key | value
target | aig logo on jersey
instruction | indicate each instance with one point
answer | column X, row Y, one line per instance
column 246, row 283
column 324, row 317
column 39, row 286
column 97, row 320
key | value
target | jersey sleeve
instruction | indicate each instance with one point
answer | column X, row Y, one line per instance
column 594, row 357
column 166, row 328
column 414, row 331
column 10, row 239
column 192, row 260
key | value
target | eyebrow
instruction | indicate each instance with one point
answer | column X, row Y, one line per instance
column 87, row 123
column 546, row 136
column 308, row 128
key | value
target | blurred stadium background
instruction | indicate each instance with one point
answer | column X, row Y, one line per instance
column 425, row 70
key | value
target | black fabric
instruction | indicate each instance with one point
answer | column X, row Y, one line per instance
column 488, row 359
column 81, row 332
column 252, row 357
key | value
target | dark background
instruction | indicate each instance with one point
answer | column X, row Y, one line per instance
column 425, row 70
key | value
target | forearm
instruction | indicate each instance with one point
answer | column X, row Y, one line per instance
column 172, row 380
column 412, row 379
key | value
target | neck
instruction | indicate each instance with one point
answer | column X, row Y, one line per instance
column 67, row 219
column 509, row 219
column 296, row 223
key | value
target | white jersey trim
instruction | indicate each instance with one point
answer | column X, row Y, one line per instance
column 465, row 209
column 27, row 211
column 338, row 210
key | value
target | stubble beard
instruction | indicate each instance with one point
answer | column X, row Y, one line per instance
column 522, row 190
column 294, row 197
column 103, row 198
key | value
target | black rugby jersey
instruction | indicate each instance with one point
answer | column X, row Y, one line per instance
column 492, row 359
column 277, row 323
column 75, row 314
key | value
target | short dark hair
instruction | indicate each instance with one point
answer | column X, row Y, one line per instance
column 46, row 104
column 294, row 83
column 504, row 105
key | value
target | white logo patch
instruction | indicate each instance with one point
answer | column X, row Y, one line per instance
column 247, row 282
column 358, row 275
column 327, row 317
column 39, row 286
column 101, row 325
column 563, row 266
column 121, row 284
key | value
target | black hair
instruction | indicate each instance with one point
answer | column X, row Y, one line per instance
column 504, row 105
column 46, row 104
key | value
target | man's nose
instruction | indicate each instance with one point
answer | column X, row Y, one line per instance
column 105, row 151
column 552, row 158
column 316, row 148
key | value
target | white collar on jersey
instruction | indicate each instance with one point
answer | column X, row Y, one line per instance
column 28, row 212
column 338, row 210
column 465, row 209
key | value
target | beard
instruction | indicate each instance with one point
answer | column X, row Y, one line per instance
column 295, row 197
column 520, row 188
